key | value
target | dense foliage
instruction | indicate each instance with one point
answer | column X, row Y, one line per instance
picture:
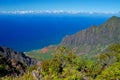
column 65, row 65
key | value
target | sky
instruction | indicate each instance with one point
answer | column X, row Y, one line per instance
column 65, row 5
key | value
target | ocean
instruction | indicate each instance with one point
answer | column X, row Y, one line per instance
column 35, row 31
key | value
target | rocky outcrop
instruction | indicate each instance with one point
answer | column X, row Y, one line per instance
column 13, row 63
column 105, row 34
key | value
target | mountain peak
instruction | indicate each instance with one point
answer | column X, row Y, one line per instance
column 114, row 21
column 106, row 34
column 114, row 18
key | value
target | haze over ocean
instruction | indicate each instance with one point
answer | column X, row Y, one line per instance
column 29, row 32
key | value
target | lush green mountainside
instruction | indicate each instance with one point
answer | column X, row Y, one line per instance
column 93, row 40
column 65, row 65
column 86, row 41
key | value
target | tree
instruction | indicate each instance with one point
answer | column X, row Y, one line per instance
column 110, row 73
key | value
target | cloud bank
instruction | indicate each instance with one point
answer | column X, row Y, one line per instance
column 54, row 12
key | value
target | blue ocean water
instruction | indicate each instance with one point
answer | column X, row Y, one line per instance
column 29, row 32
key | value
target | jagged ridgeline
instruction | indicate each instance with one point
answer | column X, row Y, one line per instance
column 94, row 39
column 13, row 63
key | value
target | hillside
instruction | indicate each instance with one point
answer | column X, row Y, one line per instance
column 94, row 39
column 65, row 64
column 13, row 63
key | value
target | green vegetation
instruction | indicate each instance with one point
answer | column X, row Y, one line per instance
column 39, row 55
column 65, row 65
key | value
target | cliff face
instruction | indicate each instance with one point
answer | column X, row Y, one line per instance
column 13, row 63
column 106, row 34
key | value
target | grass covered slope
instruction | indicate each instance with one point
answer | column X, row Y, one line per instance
column 65, row 65
column 42, row 54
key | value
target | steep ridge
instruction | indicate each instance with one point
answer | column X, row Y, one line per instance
column 13, row 63
column 94, row 37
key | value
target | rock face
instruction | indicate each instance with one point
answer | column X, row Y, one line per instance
column 106, row 34
column 13, row 63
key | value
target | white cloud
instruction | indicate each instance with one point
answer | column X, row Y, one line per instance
column 53, row 12
column 17, row 12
